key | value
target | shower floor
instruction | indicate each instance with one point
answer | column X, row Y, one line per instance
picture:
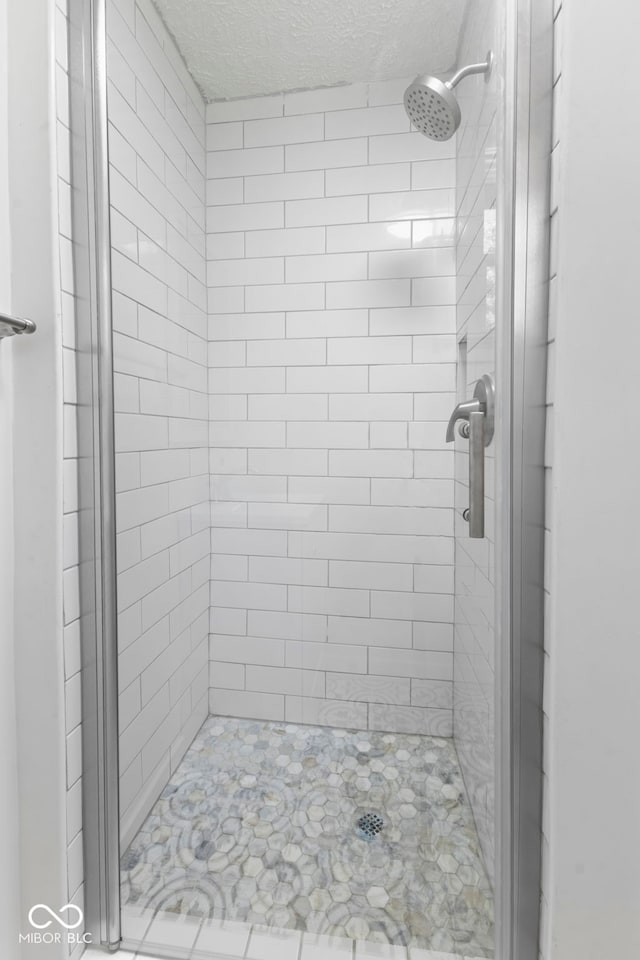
column 259, row 824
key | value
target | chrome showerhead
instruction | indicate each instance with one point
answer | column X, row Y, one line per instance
column 432, row 106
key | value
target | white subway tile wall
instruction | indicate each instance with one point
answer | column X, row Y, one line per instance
column 474, row 642
column 157, row 182
column 71, row 575
column 332, row 308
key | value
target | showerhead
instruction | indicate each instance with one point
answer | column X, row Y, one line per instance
column 431, row 103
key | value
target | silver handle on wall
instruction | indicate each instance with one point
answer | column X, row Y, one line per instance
column 11, row 326
column 479, row 427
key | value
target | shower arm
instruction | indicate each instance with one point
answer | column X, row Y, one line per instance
column 470, row 70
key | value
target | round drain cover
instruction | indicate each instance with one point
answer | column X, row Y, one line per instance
column 369, row 825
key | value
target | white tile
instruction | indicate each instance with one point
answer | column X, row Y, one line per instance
column 416, row 720
column 247, row 380
column 352, row 686
column 256, row 650
column 338, row 657
column 284, row 186
column 366, row 406
column 433, row 174
column 321, row 947
column 251, row 108
column 300, row 213
column 336, row 266
column 225, row 190
column 322, row 712
column 172, row 930
column 227, row 273
column 224, row 136
column 247, row 326
column 330, row 600
column 273, row 353
column 277, row 243
column 435, row 349
column 371, row 463
column 288, row 626
column 369, row 350
column 246, row 703
column 252, row 596
column 413, row 320
column 327, row 435
column 287, row 516
column 268, row 543
column 261, row 489
column 288, row 462
column 238, row 433
column 222, row 936
column 246, row 216
column 326, row 379
column 327, row 323
column 370, row 576
column 433, row 291
column 414, row 205
column 379, row 951
column 284, row 680
column 390, row 177
column 426, row 493
column 245, row 163
column 288, row 406
column 369, row 236
column 280, row 130
column 269, row 943
column 388, row 91
column 328, row 490
column 366, row 122
column 429, row 522
column 229, row 676
column 325, row 155
column 396, row 148
column 371, row 546
column 369, row 632
column 288, row 296
column 286, row 570
column 368, row 293
column 415, row 377
column 434, row 233
column 342, row 97
column 435, row 608
column 395, row 662
column 388, row 436
column 413, row 263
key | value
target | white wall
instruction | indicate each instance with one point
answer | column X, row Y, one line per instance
column 9, row 811
column 592, row 884
column 157, row 154
column 474, row 650
column 331, row 267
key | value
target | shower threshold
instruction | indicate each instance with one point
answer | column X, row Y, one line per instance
column 256, row 839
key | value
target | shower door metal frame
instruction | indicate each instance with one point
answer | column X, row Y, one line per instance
column 524, row 146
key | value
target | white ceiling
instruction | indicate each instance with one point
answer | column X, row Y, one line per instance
column 244, row 48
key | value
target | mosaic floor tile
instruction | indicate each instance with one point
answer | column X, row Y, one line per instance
column 260, row 823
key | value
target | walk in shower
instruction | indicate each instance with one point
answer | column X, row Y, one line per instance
column 301, row 298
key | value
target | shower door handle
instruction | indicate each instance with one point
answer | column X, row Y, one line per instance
column 478, row 429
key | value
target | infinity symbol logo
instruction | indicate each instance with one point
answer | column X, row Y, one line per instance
column 56, row 916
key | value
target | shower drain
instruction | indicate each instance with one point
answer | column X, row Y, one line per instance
column 369, row 825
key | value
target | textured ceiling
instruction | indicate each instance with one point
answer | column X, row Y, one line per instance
column 243, row 48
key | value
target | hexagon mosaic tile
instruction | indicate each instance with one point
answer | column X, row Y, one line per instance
column 260, row 823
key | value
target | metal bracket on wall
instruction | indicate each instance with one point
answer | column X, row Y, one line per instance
column 13, row 326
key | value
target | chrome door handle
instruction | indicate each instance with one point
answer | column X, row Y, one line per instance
column 479, row 413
